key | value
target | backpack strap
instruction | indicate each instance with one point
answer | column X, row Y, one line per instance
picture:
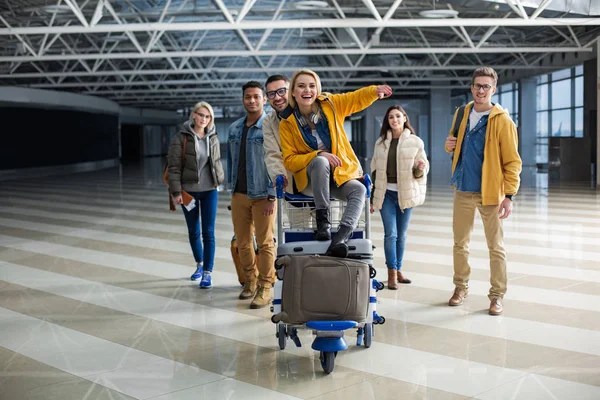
column 457, row 122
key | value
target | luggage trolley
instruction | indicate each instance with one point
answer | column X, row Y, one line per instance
column 295, row 237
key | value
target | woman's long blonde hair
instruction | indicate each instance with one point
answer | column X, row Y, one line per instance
column 210, row 111
column 292, row 100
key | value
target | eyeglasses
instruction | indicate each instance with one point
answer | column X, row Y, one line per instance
column 486, row 88
column 201, row 115
column 280, row 92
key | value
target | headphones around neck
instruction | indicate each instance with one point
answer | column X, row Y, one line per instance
column 314, row 118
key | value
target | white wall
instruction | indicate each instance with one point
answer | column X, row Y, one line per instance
column 39, row 97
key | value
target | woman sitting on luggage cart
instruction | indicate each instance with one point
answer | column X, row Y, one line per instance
column 399, row 168
column 317, row 151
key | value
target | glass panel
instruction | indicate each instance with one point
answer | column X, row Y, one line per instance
column 495, row 98
column 579, row 122
column 515, row 118
column 542, row 97
column 579, row 70
column 561, row 94
column 542, row 79
column 562, row 74
column 561, row 123
column 506, row 87
column 507, row 101
column 541, row 150
column 579, row 91
column 542, row 124
column 516, row 100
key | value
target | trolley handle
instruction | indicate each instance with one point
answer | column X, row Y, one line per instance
column 279, row 184
column 366, row 180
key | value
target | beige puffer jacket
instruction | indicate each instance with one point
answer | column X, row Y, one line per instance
column 411, row 190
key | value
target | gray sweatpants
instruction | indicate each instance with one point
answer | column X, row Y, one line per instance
column 321, row 186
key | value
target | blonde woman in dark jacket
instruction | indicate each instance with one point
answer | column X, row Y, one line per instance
column 198, row 172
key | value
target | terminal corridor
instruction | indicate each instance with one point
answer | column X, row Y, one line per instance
column 96, row 303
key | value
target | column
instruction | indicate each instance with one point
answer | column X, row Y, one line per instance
column 440, row 121
column 597, row 158
column 528, row 129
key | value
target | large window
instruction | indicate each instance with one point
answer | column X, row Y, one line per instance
column 559, row 108
column 508, row 97
column 560, row 103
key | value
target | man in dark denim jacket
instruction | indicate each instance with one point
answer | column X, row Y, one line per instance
column 253, row 197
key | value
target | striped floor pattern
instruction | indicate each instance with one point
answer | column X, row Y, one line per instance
column 96, row 303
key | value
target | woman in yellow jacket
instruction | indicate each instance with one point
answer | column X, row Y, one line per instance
column 317, row 151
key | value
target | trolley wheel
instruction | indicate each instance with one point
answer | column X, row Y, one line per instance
column 359, row 336
column 368, row 335
column 281, row 336
column 382, row 321
column 372, row 272
column 380, row 286
column 327, row 361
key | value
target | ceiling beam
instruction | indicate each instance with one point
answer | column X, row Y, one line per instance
column 408, row 68
column 233, row 80
column 294, row 52
column 540, row 8
column 304, row 23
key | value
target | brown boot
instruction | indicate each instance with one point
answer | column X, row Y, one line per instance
column 248, row 290
column 392, row 285
column 496, row 306
column 458, row 297
column 402, row 279
column 262, row 298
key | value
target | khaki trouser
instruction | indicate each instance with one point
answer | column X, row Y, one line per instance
column 248, row 219
column 465, row 204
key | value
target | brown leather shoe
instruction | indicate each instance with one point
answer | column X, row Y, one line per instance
column 248, row 290
column 262, row 298
column 458, row 297
column 392, row 285
column 402, row 279
column 496, row 306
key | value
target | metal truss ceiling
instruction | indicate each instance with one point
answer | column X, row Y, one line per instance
column 170, row 54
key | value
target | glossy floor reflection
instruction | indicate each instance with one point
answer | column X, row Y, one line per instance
column 96, row 303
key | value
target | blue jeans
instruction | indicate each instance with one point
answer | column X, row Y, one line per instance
column 205, row 212
column 395, row 225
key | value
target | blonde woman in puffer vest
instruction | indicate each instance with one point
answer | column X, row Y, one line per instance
column 399, row 168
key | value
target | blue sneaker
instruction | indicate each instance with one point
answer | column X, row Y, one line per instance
column 198, row 274
column 206, row 281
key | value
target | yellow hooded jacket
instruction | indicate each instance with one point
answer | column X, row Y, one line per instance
column 501, row 160
column 336, row 107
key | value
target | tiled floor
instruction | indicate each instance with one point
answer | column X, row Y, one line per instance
column 95, row 303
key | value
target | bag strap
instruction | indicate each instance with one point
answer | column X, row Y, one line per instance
column 456, row 126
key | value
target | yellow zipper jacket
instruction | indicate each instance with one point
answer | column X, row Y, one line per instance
column 501, row 160
column 336, row 107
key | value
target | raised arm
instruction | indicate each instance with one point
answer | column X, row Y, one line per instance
column 351, row 102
